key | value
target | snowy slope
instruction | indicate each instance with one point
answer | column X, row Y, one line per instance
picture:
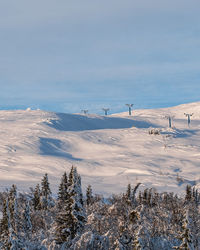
column 109, row 152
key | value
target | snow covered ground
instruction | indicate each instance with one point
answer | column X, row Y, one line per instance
column 109, row 152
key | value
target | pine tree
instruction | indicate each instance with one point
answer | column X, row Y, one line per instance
column 12, row 196
column 15, row 241
column 70, row 220
column 27, row 225
column 89, row 196
column 14, row 230
column 185, row 235
column 75, row 192
column 63, row 189
column 9, row 237
column 66, row 223
column 188, row 196
column 36, row 198
column 16, row 217
column 4, row 227
column 45, row 192
column 195, row 223
column 45, row 189
column 195, row 195
column 13, row 191
column 128, row 192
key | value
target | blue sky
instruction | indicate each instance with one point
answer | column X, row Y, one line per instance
column 71, row 55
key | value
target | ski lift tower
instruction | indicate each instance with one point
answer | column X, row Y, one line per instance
column 106, row 110
column 169, row 119
column 85, row 111
column 189, row 118
column 129, row 108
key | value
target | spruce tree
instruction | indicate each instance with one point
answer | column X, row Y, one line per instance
column 188, row 196
column 75, row 192
column 63, row 189
column 27, row 225
column 89, row 196
column 45, row 192
column 15, row 239
column 36, row 198
column 4, row 227
column 16, row 217
column 128, row 192
column 14, row 230
column 12, row 196
column 66, row 223
column 13, row 191
column 9, row 237
column 70, row 220
column 185, row 235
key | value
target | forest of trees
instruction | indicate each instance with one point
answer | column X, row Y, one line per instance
column 133, row 220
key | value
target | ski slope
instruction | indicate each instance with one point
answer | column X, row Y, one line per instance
column 109, row 152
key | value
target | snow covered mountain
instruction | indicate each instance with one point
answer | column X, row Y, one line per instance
column 109, row 152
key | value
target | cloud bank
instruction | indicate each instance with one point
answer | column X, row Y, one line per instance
column 63, row 55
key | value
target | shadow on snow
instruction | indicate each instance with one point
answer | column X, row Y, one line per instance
column 53, row 147
column 74, row 122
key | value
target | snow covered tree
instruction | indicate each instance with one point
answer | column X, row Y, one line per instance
column 16, row 217
column 63, row 192
column 9, row 232
column 14, row 223
column 12, row 196
column 45, row 192
column 66, row 223
column 4, row 227
column 188, row 196
column 185, row 235
column 36, row 198
column 75, row 192
column 89, row 196
column 91, row 241
column 45, row 189
column 27, row 225
column 196, row 196
column 70, row 220
column 12, row 191
column 194, row 217
column 128, row 192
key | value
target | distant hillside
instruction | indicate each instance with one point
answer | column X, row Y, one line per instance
column 109, row 151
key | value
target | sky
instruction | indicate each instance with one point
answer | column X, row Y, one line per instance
column 70, row 55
